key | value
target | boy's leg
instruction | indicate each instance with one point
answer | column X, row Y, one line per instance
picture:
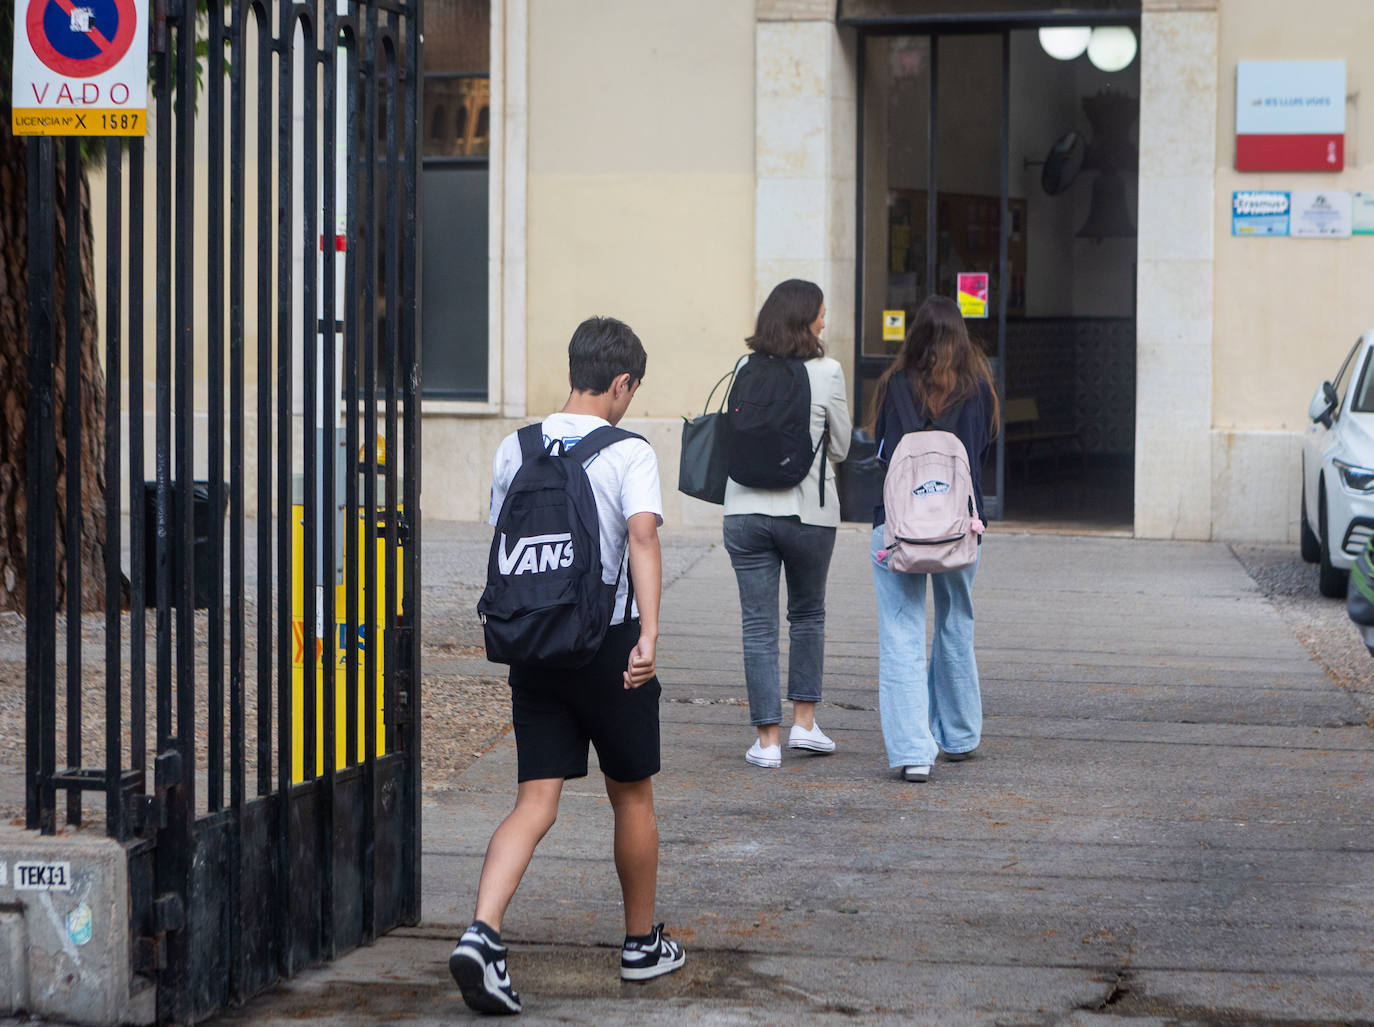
column 648, row 952
column 636, row 850
column 513, row 843
column 478, row 962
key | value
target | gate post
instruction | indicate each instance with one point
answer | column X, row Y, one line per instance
column 41, row 595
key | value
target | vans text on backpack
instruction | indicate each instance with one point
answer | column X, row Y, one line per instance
column 927, row 495
column 770, row 425
column 545, row 604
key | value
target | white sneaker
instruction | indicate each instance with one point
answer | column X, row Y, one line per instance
column 916, row 773
column 761, row 755
column 815, row 739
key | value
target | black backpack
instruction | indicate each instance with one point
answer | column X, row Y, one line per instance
column 770, row 425
column 545, row 604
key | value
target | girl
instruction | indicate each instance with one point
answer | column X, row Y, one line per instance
column 789, row 529
column 926, row 706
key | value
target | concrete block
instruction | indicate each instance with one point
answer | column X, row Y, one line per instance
column 14, row 963
column 66, row 903
column 1257, row 485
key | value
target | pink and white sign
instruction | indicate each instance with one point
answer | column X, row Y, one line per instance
column 1290, row 115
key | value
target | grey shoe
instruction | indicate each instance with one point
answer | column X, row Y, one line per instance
column 921, row 773
column 959, row 757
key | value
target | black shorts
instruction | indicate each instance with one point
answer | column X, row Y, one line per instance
column 558, row 712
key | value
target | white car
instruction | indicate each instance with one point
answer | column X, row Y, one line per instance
column 1338, row 469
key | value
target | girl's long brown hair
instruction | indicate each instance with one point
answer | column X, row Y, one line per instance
column 940, row 363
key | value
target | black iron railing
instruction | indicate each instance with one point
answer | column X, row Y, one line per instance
column 252, row 786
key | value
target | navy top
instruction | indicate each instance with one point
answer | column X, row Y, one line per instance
column 971, row 425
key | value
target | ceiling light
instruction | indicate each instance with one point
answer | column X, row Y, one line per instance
column 1112, row 48
column 1064, row 44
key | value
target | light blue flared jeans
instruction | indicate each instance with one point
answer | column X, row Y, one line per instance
column 925, row 704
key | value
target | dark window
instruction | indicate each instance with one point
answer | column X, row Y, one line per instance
column 1363, row 402
column 457, row 79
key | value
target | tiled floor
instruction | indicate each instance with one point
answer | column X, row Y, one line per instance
column 1095, row 495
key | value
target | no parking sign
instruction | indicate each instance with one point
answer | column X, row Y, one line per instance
column 80, row 67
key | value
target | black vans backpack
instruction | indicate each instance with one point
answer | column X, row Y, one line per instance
column 770, row 424
column 545, row 604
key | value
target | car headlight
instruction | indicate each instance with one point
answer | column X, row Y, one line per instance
column 1356, row 479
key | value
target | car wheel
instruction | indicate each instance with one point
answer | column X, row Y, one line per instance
column 1331, row 581
column 1308, row 545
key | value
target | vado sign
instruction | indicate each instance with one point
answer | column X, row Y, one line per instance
column 80, row 67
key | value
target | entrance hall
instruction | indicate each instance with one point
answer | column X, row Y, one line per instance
column 1017, row 140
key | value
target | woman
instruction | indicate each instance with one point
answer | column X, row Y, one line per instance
column 792, row 529
column 926, row 706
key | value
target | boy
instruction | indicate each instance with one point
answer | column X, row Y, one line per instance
column 612, row 703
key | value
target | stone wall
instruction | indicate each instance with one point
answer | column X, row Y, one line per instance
column 795, row 10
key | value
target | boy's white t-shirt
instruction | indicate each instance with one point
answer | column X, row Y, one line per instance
column 624, row 480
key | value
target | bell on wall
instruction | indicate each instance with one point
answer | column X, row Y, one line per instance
column 1109, row 216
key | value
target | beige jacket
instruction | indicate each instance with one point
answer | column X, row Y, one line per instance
column 829, row 401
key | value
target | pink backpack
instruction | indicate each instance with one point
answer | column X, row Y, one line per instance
column 928, row 496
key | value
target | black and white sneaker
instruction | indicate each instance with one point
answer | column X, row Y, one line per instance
column 478, row 964
column 642, row 959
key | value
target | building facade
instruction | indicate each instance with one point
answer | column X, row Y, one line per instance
column 669, row 162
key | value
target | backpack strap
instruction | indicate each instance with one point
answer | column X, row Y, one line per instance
column 591, row 444
column 531, row 441
column 949, row 421
column 899, row 388
column 598, row 439
column 910, row 420
column 824, row 447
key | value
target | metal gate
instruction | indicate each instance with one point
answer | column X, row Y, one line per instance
column 271, row 807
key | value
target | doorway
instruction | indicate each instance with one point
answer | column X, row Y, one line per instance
column 1022, row 155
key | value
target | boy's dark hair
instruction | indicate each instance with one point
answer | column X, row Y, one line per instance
column 600, row 350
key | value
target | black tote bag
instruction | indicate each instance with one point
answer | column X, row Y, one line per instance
column 701, row 470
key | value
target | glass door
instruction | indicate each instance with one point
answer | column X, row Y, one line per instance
column 933, row 167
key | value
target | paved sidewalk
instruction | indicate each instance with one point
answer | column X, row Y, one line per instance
column 1169, row 820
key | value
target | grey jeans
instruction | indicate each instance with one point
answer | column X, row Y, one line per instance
column 758, row 546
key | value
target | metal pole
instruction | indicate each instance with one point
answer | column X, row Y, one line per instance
column 116, row 816
column 71, row 260
column 933, row 173
column 1003, row 270
column 41, row 569
column 411, row 378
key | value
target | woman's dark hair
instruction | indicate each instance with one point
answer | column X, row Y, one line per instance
column 939, row 362
column 602, row 349
column 783, row 328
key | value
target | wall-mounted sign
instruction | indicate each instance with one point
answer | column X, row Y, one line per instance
column 1259, row 212
column 1362, row 214
column 1321, row 214
column 973, row 293
column 80, row 68
column 1290, row 115
column 894, row 325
